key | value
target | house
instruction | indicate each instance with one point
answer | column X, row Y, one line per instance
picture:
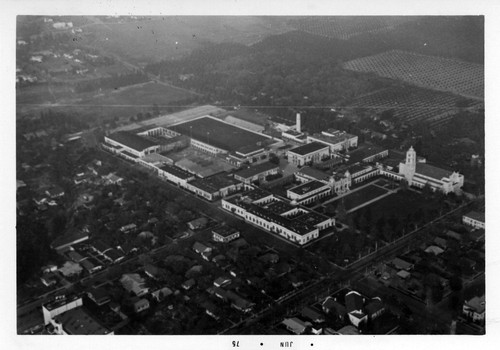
column 441, row 242
column 99, row 296
column 475, row 308
column 374, row 308
column 332, row 306
column 48, row 279
column 434, row 250
column 348, row 330
column 153, row 271
column 269, row 258
column 354, row 307
column 55, row 192
column 222, row 282
column 210, row 309
column 295, row 325
column 141, row 305
column 474, row 219
column 401, row 264
column 312, row 315
column 239, row 303
column 161, row 293
column 134, row 283
column 63, row 242
column 201, row 248
column 70, row 269
column 49, row 268
column 128, row 228
column 403, row 274
column 220, row 293
column 114, row 255
column 190, row 283
column 198, row 223
column 225, row 234
column 454, row 235
column 113, row 179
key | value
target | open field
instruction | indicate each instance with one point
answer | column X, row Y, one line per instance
column 150, row 39
column 345, row 27
column 361, row 196
column 411, row 104
column 143, row 95
column 199, row 163
column 442, row 74
column 219, row 134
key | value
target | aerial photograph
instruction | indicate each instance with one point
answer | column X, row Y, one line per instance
column 250, row 175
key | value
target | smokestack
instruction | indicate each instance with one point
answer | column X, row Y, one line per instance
column 298, row 126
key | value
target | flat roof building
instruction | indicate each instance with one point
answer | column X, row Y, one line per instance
column 309, row 153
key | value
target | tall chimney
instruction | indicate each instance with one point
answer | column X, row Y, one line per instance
column 298, row 126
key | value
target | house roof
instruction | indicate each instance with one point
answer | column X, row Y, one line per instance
column 311, row 314
column 403, row 274
column 295, row 324
column 401, row 264
column 225, row 231
column 475, row 216
column 432, row 171
column 309, row 148
column 132, row 140
column 314, row 173
column 100, row 246
column 477, row 303
column 199, row 247
column 353, row 301
column 332, row 304
column 256, row 170
column 307, row 187
column 434, row 250
column 68, row 239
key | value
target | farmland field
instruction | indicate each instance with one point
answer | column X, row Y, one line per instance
column 345, row 27
column 442, row 74
column 415, row 104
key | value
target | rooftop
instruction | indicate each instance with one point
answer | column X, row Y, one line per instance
column 333, row 137
column 314, row 173
column 432, row 171
column 176, row 171
column 60, row 301
column 131, row 140
column 307, row 187
column 477, row 303
column 214, row 183
column 475, row 215
column 360, row 154
column 308, row 148
column 256, row 194
column 79, row 322
column 225, row 231
column 256, row 170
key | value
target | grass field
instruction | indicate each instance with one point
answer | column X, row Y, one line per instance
column 219, row 134
column 361, row 196
column 400, row 204
column 442, row 74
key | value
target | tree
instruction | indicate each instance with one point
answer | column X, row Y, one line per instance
column 273, row 158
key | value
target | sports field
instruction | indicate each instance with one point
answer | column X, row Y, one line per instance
column 437, row 73
column 220, row 134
